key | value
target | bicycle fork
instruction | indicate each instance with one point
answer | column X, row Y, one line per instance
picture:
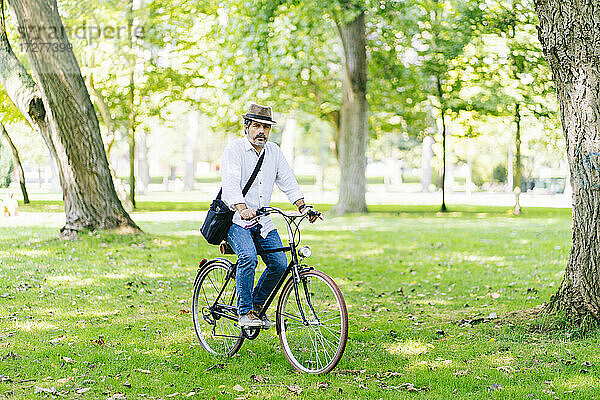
column 297, row 281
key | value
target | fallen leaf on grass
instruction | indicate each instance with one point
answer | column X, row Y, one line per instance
column 295, row 389
column 127, row 384
column 143, row 371
column 506, row 368
column 69, row 360
column 323, row 385
column 409, row 387
column 258, row 378
column 4, row 378
column 82, row 390
column 118, row 396
column 587, row 364
column 56, row 340
column 99, row 341
column 216, row 366
column 238, row 388
column 172, row 394
column 39, row 389
column 182, row 311
column 350, row 371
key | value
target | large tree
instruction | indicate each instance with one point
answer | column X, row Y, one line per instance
column 353, row 115
column 569, row 32
column 59, row 106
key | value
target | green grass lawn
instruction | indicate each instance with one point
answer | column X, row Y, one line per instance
column 108, row 315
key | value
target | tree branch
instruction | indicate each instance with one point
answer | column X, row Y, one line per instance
column 17, row 82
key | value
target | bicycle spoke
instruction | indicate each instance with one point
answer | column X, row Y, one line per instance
column 220, row 337
column 314, row 347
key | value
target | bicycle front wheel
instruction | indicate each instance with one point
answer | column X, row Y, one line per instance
column 315, row 343
column 215, row 322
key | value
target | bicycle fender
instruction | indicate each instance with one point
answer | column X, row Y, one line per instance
column 205, row 263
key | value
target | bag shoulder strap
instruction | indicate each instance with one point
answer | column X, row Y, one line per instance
column 252, row 177
column 254, row 173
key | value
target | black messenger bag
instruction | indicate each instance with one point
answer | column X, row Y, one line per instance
column 219, row 217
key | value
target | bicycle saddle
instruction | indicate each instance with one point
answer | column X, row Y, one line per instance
column 225, row 248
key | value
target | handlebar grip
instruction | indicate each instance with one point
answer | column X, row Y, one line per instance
column 261, row 211
column 314, row 212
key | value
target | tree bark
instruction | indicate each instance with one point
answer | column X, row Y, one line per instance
column 426, row 157
column 517, row 182
column 353, row 118
column 17, row 161
column 107, row 118
column 132, row 123
column 111, row 135
column 443, row 117
column 569, row 32
column 190, row 150
column 70, row 126
column 518, row 169
column 143, row 167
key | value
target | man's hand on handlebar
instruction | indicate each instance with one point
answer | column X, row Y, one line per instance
column 247, row 214
column 313, row 214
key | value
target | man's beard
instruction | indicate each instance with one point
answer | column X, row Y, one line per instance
column 256, row 142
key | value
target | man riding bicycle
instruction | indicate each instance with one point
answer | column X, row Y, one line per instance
column 239, row 160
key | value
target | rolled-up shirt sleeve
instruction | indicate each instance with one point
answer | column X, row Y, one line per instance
column 286, row 181
column 231, row 178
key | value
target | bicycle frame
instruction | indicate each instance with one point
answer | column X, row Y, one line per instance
column 293, row 268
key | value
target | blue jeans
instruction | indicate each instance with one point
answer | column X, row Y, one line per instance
column 245, row 243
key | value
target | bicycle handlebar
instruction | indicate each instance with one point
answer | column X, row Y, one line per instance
column 308, row 211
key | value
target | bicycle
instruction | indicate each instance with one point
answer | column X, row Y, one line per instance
column 311, row 317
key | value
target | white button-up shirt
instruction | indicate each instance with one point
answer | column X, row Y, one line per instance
column 239, row 160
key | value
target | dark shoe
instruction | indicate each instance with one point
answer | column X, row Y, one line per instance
column 264, row 319
column 250, row 320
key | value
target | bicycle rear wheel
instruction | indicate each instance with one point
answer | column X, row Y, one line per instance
column 317, row 345
column 217, row 333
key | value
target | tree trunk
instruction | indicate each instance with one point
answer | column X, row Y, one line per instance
column 569, row 32
column 443, row 117
column 190, row 150
column 143, row 167
column 426, row 157
column 106, row 115
column 517, row 181
column 353, row 118
column 17, row 161
column 510, row 175
column 111, row 135
column 288, row 140
column 132, row 111
column 70, row 126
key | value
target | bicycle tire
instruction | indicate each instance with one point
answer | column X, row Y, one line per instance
column 317, row 348
column 220, row 336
